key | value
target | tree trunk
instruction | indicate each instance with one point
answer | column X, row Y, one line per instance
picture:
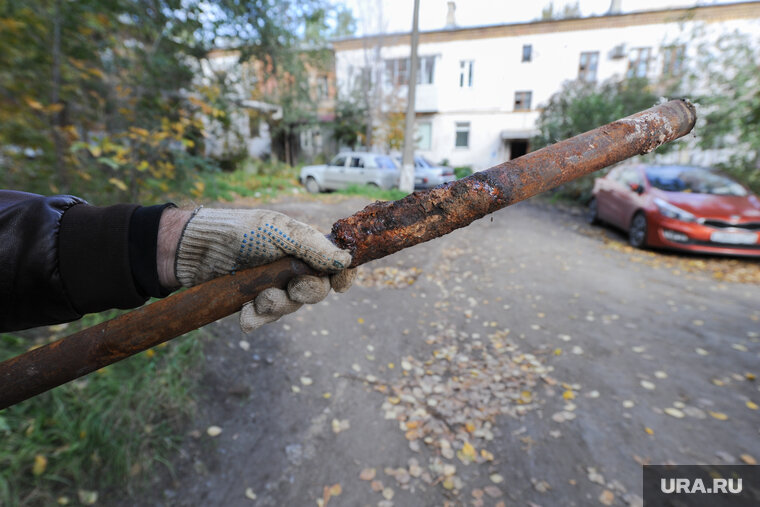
column 56, row 118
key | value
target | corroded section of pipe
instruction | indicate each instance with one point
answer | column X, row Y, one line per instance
column 383, row 228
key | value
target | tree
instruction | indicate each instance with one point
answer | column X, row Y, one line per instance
column 727, row 75
column 93, row 95
column 581, row 106
column 568, row 11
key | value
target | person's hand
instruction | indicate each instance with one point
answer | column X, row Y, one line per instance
column 218, row 242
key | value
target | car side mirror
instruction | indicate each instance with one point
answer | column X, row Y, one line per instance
column 639, row 189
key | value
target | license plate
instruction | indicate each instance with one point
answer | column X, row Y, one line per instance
column 734, row 238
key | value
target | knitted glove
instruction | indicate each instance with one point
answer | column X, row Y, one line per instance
column 218, row 242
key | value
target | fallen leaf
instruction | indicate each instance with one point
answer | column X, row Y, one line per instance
column 244, row 345
column 486, row 455
column 660, row 374
column 607, row 497
column 388, row 493
column 718, row 415
column 649, row 431
column 493, row 491
column 87, row 497
column 376, row 486
column 701, row 351
column 647, row 385
column 752, row 405
column 674, row 412
column 496, row 478
column 367, row 474
column 748, row 459
column 628, row 404
column 568, row 395
column 340, row 425
column 214, row 431
column 306, row 381
column 335, row 490
column 448, row 483
column 249, row 494
column 40, row 464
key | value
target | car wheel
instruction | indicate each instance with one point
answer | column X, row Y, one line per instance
column 312, row 186
column 637, row 233
column 592, row 215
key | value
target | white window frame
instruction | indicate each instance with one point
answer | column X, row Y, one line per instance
column 466, row 70
column 462, row 127
column 417, row 137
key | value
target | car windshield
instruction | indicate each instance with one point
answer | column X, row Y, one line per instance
column 693, row 180
column 423, row 162
column 385, row 162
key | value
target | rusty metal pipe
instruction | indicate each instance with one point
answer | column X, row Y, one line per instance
column 378, row 230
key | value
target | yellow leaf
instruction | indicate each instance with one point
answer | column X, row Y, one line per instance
column 568, row 395
column 448, row 483
column 391, row 366
column 748, row 459
column 469, row 451
column 335, row 490
column 649, row 431
column 118, row 184
column 750, row 376
column 751, row 405
column 469, row 427
column 143, row 165
column 719, row 415
column 486, row 455
column 34, row 104
column 150, row 353
column 40, row 464
column 557, row 352
column 360, row 320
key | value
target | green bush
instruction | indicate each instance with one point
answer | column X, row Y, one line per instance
column 108, row 428
column 462, row 172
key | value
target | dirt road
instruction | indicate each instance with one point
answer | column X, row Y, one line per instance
column 528, row 359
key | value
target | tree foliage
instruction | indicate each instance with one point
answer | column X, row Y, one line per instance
column 581, row 106
column 728, row 74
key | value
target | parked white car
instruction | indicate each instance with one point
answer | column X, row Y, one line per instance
column 351, row 168
column 429, row 175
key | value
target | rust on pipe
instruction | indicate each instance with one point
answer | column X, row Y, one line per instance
column 378, row 230
column 383, row 228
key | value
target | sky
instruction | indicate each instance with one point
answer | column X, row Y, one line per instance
column 396, row 15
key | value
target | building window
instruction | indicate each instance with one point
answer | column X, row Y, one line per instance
column 463, row 135
column 638, row 62
column 323, row 88
column 424, row 135
column 587, row 67
column 397, row 71
column 673, row 60
column 527, row 53
column 522, row 101
column 465, row 73
column 425, row 70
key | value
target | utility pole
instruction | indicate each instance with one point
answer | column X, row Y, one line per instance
column 406, row 183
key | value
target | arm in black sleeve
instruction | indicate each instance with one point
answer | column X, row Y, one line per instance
column 61, row 258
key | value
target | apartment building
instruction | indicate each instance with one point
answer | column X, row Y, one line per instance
column 480, row 89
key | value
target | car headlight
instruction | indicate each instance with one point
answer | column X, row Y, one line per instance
column 670, row 211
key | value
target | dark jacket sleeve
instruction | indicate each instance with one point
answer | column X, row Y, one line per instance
column 61, row 258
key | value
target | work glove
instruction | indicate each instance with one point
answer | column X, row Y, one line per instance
column 218, row 242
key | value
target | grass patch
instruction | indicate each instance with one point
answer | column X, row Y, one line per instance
column 109, row 428
column 373, row 192
column 260, row 180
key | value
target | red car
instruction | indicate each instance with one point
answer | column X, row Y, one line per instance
column 679, row 207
